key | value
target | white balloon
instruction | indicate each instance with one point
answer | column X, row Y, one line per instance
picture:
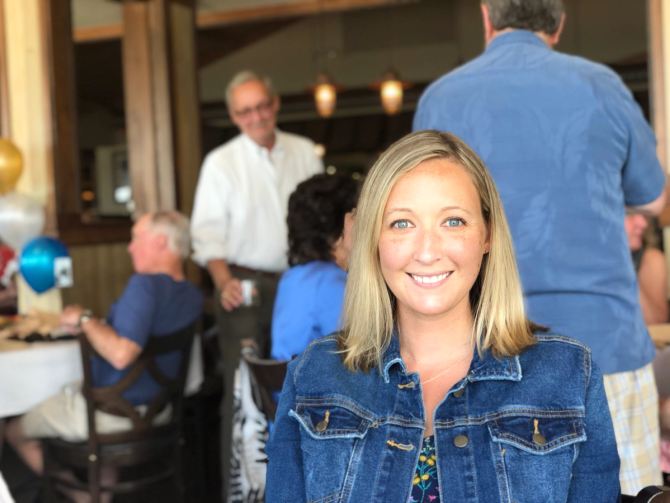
column 21, row 219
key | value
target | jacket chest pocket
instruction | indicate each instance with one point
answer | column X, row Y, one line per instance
column 534, row 455
column 331, row 440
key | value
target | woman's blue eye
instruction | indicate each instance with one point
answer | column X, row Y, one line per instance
column 400, row 224
column 454, row 222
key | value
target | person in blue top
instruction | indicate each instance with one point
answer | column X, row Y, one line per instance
column 438, row 388
column 570, row 151
column 310, row 293
column 158, row 300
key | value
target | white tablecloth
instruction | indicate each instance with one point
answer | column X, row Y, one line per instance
column 30, row 376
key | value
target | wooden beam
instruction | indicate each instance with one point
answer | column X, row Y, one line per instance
column 294, row 9
column 187, row 122
column 97, row 33
column 138, row 84
column 5, row 123
column 162, row 105
column 212, row 19
column 60, row 64
column 657, row 74
column 31, row 26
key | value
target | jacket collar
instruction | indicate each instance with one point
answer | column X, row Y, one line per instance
column 517, row 37
column 483, row 368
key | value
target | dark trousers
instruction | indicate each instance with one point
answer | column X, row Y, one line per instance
column 242, row 323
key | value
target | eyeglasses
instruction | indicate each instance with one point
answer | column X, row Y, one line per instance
column 262, row 108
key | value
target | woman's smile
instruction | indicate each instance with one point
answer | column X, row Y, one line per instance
column 429, row 280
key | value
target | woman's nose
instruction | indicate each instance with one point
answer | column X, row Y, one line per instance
column 428, row 247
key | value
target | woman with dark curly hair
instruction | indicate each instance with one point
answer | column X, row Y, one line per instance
column 310, row 293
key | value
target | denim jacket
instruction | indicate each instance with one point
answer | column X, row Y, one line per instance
column 534, row 428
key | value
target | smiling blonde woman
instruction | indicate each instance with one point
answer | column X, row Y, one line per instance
column 438, row 388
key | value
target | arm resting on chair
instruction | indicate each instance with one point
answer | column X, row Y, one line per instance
column 119, row 351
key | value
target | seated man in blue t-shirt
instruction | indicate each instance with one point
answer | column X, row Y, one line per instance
column 158, row 300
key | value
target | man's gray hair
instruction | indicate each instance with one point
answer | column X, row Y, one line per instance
column 175, row 227
column 242, row 78
column 533, row 15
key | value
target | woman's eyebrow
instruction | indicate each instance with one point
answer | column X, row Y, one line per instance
column 450, row 208
column 395, row 210
column 442, row 210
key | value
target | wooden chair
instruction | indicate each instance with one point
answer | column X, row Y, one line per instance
column 655, row 494
column 144, row 444
column 269, row 376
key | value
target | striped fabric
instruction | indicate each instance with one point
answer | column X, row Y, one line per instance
column 633, row 403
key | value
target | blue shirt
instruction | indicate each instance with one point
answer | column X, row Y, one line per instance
column 307, row 306
column 568, row 148
column 356, row 437
column 151, row 305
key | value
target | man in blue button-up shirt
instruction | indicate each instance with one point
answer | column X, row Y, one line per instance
column 570, row 152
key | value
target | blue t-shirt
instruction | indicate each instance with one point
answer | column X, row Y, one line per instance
column 307, row 306
column 151, row 305
column 568, row 148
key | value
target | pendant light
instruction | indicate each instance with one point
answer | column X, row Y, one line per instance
column 325, row 95
column 391, row 90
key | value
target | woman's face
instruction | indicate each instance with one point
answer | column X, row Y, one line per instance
column 432, row 240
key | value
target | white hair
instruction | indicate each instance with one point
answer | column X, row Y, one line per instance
column 175, row 227
column 242, row 78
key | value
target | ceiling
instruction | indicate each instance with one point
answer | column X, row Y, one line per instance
column 87, row 13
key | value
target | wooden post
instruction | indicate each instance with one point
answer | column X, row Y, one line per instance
column 162, row 106
column 40, row 111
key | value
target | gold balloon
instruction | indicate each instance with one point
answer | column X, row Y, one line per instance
column 11, row 165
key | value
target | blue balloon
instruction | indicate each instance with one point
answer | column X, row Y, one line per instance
column 38, row 262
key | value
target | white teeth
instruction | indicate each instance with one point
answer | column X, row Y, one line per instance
column 430, row 279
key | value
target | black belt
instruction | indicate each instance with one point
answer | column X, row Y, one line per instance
column 255, row 271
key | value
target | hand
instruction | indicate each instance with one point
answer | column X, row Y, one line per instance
column 231, row 294
column 70, row 316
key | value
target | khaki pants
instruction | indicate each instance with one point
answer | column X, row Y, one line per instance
column 64, row 416
column 242, row 323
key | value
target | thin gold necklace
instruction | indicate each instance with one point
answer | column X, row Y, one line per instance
column 423, row 383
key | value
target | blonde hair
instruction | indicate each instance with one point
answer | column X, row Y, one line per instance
column 496, row 298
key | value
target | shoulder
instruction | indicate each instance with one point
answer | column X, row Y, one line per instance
column 218, row 157
column 450, row 81
column 326, row 268
column 601, row 80
column 142, row 283
column 321, row 358
column 654, row 260
column 296, row 143
column 564, row 358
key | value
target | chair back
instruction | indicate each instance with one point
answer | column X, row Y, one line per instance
column 269, row 376
column 109, row 399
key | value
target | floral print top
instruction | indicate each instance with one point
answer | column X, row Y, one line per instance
column 424, row 488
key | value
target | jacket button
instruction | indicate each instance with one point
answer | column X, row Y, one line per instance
column 461, row 441
column 459, row 393
column 539, row 439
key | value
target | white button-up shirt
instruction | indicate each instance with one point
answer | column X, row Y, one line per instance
column 241, row 201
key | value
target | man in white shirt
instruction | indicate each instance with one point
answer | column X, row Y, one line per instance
column 238, row 226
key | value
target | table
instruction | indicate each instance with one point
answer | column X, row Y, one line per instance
column 31, row 375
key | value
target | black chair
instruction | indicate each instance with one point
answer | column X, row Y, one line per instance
column 651, row 494
column 269, row 376
column 145, row 444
